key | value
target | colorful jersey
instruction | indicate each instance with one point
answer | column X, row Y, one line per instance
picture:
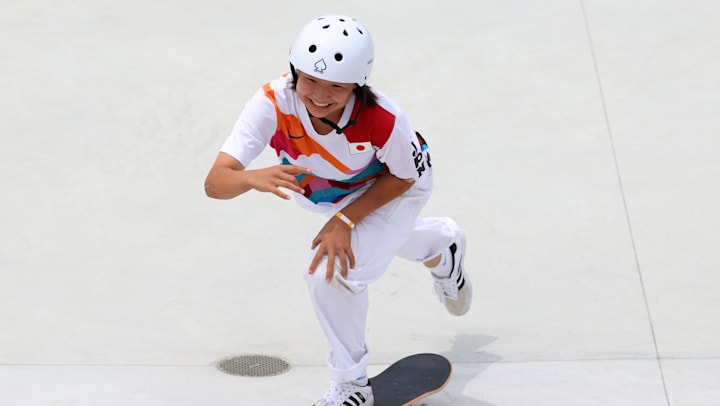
column 342, row 164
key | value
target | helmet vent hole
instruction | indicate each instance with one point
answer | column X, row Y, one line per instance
column 312, row 49
column 325, row 27
column 342, row 20
column 360, row 31
column 338, row 57
column 345, row 33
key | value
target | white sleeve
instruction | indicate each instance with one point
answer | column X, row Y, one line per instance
column 402, row 153
column 253, row 130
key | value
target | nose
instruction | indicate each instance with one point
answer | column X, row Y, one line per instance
column 322, row 93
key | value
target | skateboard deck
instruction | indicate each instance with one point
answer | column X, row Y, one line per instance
column 411, row 379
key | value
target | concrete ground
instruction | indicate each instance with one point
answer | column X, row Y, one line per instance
column 575, row 141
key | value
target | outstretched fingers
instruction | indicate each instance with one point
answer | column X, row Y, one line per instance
column 279, row 177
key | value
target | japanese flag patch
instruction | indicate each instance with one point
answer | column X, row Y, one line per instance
column 359, row 147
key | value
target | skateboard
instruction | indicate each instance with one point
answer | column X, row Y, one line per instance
column 411, row 379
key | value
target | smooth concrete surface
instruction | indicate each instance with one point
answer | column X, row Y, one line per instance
column 576, row 142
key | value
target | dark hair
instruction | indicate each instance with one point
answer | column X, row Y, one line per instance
column 363, row 92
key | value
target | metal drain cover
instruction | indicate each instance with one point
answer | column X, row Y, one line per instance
column 253, row 365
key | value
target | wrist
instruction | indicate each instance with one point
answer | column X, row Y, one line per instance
column 345, row 220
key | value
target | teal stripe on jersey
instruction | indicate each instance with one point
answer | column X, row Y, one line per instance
column 319, row 189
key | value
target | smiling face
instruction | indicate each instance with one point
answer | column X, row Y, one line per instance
column 323, row 98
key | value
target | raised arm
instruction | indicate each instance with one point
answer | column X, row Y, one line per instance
column 228, row 178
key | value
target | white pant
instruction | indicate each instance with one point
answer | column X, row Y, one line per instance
column 342, row 305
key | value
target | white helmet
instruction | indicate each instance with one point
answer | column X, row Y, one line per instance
column 336, row 48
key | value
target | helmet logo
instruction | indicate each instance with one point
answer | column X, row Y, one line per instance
column 320, row 66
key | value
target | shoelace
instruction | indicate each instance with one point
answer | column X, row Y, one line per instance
column 445, row 287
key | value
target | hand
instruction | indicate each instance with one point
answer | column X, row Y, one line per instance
column 334, row 241
column 271, row 179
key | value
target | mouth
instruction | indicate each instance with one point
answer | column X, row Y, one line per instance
column 319, row 105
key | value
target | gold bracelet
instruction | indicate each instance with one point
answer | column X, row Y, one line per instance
column 345, row 220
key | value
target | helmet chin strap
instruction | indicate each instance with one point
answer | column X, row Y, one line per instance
column 335, row 126
column 349, row 124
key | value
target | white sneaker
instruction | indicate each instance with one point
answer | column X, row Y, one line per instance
column 455, row 291
column 347, row 394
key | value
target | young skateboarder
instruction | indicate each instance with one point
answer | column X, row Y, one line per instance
column 347, row 151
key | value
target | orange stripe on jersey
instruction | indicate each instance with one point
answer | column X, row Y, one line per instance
column 293, row 129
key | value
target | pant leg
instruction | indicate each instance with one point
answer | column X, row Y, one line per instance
column 429, row 237
column 341, row 309
column 341, row 306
